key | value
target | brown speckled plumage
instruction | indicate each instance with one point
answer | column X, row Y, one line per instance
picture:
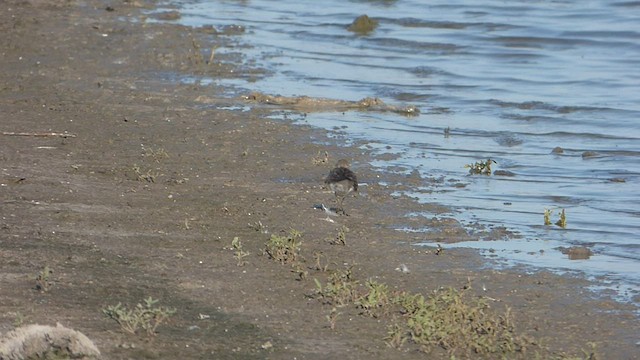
column 342, row 181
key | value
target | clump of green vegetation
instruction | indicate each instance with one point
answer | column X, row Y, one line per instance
column 562, row 221
column 547, row 216
column 395, row 336
column 43, row 279
column 240, row 254
column 19, row 320
column 285, row 249
column 480, row 167
column 452, row 320
column 375, row 300
column 340, row 288
column 145, row 316
column 341, row 237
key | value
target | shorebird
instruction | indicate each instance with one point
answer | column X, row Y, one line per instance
column 342, row 182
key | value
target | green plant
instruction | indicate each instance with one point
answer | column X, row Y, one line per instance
column 19, row 320
column 240, row 254
column 301, row 271
column 480, row 167
column 562, row 221
column 409, row 303
column 452, row 320
column 43, row 279
column 341, row 237
column 318, row 256
column 340, row 288
column 285, row 249
column 375, row 299
column 396, row 336
column 145, row 316
column 547, row 216
column 333, row 318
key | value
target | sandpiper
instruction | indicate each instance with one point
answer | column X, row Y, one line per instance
column 342, row 182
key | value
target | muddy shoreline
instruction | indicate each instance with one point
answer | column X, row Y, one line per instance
column 158, row 179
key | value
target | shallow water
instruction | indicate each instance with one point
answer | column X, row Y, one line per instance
column 511, row 80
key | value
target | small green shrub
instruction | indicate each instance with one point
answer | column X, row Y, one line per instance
column 340, row 289
column 375, row 300
column 461, row 325
column 284, row 249
column 240, row 254
column 145, row 316
column 396, row 336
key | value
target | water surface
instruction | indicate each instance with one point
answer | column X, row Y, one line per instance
column 511, row 80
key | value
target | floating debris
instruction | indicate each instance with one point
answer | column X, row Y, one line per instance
column 311, row 104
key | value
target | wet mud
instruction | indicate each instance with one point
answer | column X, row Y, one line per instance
column 148, row 195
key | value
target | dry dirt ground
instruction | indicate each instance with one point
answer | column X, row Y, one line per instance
column 154, row 179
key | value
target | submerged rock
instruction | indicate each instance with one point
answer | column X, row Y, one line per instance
column 363, row 25
column 589, row 154
column 577, row 252
column 503, row 173
column 168, row 15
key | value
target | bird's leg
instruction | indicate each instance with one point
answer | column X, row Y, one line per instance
column 338, row 203
column 340, row 209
